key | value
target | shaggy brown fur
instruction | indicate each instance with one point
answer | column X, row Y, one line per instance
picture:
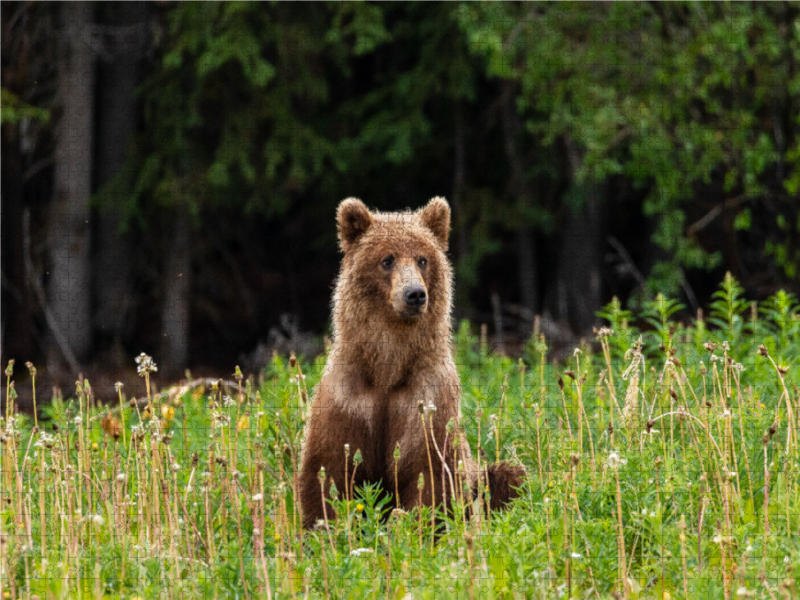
column 388, row 356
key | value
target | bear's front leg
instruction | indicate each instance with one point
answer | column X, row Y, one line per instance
column 329, row 429
column 324, row 448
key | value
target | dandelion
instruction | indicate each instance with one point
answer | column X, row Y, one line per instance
column 359, row 507
column 615, row 461
column 146, row 365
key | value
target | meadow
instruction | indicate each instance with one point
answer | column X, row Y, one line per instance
column 662, row 459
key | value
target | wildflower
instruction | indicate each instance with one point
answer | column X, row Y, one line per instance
column 361, row 551
column 615, row 461
column 575, row 555
column 257, row 497
column 243, row 423
column 95, row 447
column 146, row 365
column 118, row 386
column 359, row 507
column 725, row 346
column 168, row 412
column 277, row 536
column 98, row 520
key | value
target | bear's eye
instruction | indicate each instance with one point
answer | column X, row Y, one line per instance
column 422, row 262
column 388, row 262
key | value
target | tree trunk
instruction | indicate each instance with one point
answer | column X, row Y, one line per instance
column 578, row 287
column 15, row 313
column 520, row 191
column 176, row 310
column 69, row 283
column 15, row 305
column 459, row 184
column 117, row 117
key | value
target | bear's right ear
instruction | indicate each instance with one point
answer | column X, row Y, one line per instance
column 352, row 220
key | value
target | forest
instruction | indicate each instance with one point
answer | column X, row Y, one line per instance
column 170, row 171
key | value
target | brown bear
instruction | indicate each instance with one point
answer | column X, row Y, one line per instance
column 390, row 361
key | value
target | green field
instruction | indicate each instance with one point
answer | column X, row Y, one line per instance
column 663, row 461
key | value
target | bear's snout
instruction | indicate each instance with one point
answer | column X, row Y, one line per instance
column 415, row 296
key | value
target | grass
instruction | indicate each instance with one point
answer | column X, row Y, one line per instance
column 662, row 463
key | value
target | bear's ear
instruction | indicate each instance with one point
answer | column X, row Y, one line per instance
column 436, row 217
column 353, row 220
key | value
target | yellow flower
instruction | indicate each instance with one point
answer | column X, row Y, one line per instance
column 168, row 412
column 243, row 423
column 146, row 414
column 95, row 446
column 277, row 537
column 359, row 507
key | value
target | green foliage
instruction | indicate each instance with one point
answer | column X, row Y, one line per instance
column 671, row 96
column 701, row 418
column 13, row 109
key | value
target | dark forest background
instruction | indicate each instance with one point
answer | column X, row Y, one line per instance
column 170, row 171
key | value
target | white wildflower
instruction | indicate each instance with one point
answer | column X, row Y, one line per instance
column 146, row 364
column 361, row 551
column 615, row 461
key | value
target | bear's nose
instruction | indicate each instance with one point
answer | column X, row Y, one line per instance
column 415, row 296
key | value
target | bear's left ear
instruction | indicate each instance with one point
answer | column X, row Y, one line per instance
column 436, row 216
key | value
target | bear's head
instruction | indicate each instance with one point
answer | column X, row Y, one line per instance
column 395, row 265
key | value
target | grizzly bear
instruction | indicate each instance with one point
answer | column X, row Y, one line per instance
column 391, row 362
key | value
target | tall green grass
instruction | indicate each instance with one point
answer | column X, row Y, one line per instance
column 662, row 457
